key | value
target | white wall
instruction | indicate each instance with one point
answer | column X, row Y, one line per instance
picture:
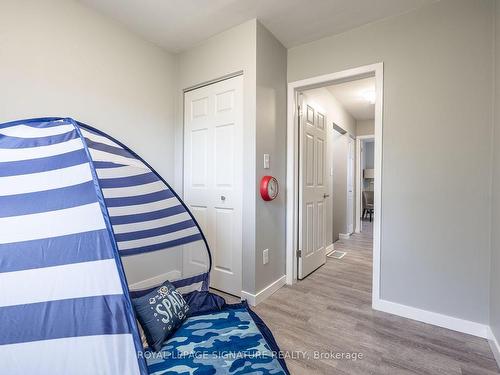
column 365, row 127
column 437, row 86
column 340, row 150
column 59, row 58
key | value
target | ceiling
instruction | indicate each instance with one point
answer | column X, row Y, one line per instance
column 177, row 25
column 351, row 96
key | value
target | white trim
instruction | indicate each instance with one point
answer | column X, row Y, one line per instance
column 255, row 299
column 344, row 236
column 429, row 317
column 156, row 280
column 292, row 165
column 291, row 185
column 330, row 248
column 351, row 183
column 495, row 347
column 377, row 222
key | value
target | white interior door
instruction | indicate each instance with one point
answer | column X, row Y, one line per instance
column 313, row 188
column 213, row 151
column 350, row 185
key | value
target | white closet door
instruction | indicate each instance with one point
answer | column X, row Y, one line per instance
column 312, row 194
column 213, row 148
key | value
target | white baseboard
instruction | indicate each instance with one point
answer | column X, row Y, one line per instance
column 255, row 299
column 329, row 249
column 344, row 236
column 440, row 320
column 155, row 280
column 495, row 347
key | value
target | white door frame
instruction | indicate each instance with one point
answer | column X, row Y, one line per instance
column 351, row 147
column 293, row 166
column 359, row 179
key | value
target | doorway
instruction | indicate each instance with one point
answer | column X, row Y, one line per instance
column 213, row 144
column 295, row 206
column 365, row 181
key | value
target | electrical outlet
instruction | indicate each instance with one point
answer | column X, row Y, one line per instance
column 265, row 256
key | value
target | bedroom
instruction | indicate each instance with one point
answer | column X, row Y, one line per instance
column 125, row 69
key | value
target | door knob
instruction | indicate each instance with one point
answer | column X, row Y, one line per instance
column 222, row 198
column 325, row 196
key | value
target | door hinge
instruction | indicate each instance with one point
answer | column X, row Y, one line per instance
column 299, row 111
column 299, row 253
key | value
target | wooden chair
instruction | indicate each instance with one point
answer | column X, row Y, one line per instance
column 367, row 205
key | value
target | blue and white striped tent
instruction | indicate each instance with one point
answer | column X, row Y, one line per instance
column 80, row 214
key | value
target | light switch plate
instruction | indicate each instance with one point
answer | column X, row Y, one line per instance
column 265, row 256
column 266, row 161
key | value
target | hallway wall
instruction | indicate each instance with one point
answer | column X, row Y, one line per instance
column 426, row 238
column 339, row 149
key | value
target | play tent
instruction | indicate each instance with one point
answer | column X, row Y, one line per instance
column 78, row 212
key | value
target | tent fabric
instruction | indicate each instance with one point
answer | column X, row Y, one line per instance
column 232, row 340
column 146, row 214
column 138, row 201
column 73, row 201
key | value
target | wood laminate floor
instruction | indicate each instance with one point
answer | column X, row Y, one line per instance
column 330, row 311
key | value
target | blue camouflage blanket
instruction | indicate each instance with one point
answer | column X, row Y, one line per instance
column 222, row 342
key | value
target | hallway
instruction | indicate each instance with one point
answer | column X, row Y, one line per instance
column 330, row 311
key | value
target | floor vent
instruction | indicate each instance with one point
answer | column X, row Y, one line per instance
column 337, row 254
